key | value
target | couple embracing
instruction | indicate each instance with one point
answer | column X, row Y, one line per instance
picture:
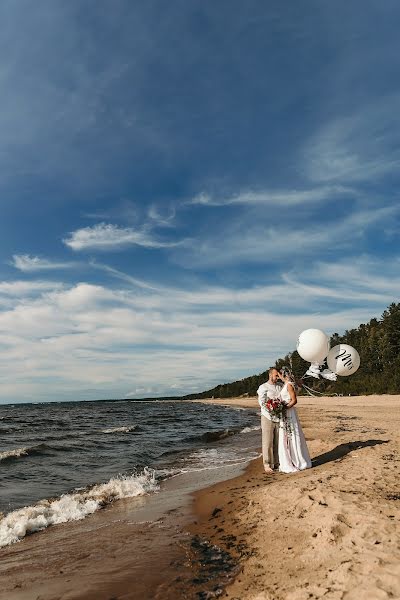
column 283, row 443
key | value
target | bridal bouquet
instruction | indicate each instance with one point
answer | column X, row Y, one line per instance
column 277, row 408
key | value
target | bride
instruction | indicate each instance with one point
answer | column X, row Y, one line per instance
column 292, row 446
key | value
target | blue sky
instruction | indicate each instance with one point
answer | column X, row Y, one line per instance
column 186, row 186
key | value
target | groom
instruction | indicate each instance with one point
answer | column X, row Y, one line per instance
column 269, row 424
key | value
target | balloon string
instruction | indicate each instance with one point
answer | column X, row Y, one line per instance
column 311, row 392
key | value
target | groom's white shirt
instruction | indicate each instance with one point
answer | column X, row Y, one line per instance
column 265, row 391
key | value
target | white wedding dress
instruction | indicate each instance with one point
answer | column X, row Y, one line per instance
column 292, row 447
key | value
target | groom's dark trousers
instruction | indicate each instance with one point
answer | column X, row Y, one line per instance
column 270, row 432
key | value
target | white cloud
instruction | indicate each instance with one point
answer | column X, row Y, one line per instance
column 362, row 280
column 104, row 236
column 29, row 264
column 111, row 341
column 81, row 296
column 357, row 147
column 27, row 288
column 140, row 391
column 159, row 218
column 247, row 239
column 275, row 198
column 123, row 276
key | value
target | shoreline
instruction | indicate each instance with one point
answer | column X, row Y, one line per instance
column 330, row 531
column 131, row 548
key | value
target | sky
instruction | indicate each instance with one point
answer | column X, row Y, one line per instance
column 186, row 186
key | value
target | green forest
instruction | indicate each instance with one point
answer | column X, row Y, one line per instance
column 378, row 343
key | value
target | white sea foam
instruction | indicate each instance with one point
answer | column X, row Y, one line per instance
column 14, row 453
column 248, row 429
column 216, row 458
column 72, row 507
column 126, row 429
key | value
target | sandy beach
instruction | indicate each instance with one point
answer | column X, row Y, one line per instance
column 329, row 532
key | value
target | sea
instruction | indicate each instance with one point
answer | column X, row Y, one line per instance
column 63, row 461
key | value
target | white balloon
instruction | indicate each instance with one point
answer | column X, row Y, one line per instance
column 313, row 345
column 343, row 360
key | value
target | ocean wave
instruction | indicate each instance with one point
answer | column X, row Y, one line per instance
column 249, row 429
column 61, row 437
column 216, row 458
column 11, row 419
column 74, row 506
column 125, row 429
column 214, row 436
column 16, row 453
column 19, row 452
column 41, row 449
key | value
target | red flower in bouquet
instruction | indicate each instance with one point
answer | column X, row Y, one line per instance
column 276, row 407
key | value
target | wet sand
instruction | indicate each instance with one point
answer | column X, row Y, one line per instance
column 329, row 532
column 136, row 548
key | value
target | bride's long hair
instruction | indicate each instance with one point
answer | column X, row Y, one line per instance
column 289, row 377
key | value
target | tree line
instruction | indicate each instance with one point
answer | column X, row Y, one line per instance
column 378, row 343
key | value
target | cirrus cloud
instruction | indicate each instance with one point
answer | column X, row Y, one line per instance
column 106, row 236
column 29, row 264
column 281, row 197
